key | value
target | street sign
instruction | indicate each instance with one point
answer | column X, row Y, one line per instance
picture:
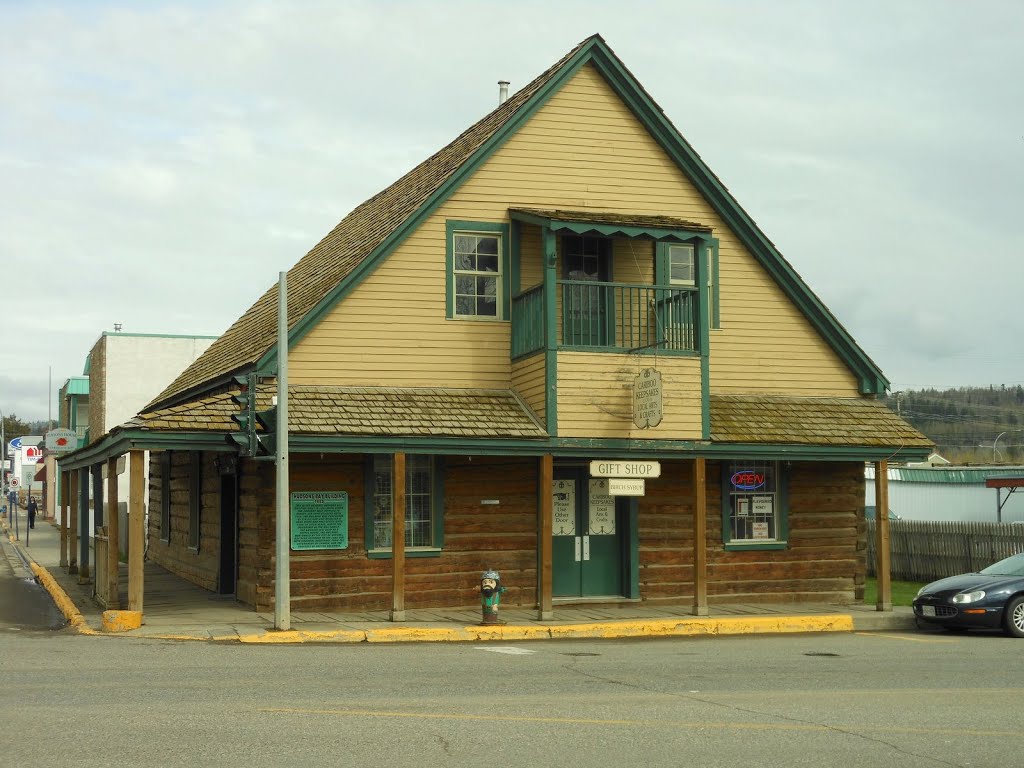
column 61, row 440
column 14, row 482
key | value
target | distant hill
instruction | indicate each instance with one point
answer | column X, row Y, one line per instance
column 970, row 425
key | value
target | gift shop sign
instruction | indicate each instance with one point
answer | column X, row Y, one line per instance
column 625, row 468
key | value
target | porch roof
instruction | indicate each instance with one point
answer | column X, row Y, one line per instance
column 377, row 411
column 611, row 223
column 828, row 421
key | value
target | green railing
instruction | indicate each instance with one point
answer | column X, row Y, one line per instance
column 528, row 322
column 609, row 317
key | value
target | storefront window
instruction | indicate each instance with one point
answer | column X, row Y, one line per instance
column 753, row 504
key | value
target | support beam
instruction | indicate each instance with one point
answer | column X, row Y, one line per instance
column 73, row 496
column 398, row 538
column 113, row 596
column 700, row 538
column 882, row 558
column 65, row 511
column 136, row 527
column 545, row 511
column 84, row 479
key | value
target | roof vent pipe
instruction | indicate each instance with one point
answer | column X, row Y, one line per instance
column 502, row 92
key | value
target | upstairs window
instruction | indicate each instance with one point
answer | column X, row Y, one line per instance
column 681, row 265
column 477, row 262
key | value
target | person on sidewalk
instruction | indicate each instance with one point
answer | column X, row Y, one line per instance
column 31, row 509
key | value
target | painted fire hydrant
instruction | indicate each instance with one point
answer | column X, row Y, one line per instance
column 490, row 596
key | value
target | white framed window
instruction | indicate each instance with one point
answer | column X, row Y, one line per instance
column 681, row 270
column 476, row 273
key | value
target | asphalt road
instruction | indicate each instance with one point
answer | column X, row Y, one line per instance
column 927, row 699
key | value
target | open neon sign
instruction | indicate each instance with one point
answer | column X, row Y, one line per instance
column 748, row 479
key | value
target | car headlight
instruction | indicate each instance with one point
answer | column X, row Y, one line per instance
column 969, row 597
column 921, row 590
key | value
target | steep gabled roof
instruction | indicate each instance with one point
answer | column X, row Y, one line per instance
column 363, row 238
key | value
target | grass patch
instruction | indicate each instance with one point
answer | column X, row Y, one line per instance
column 903, row 592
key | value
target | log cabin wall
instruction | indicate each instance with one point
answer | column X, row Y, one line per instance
column 172, row 550
column 477, row 537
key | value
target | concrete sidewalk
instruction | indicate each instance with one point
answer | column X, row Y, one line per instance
column 176, row 609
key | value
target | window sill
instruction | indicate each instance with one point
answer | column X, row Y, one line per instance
column 738, row 546
column 385, row 554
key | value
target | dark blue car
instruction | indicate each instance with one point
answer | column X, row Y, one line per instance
column 992, row 598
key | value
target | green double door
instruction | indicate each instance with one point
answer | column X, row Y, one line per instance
column 588, row 531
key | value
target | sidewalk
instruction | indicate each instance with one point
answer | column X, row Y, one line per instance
column 176, row 609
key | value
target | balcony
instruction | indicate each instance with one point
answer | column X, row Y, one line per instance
column 609, row 317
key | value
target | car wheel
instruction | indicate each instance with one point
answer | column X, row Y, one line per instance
column 1013, row 617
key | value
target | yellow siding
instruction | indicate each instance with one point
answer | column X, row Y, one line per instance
column 528, row 382
column 595, row 396
column 582, row 150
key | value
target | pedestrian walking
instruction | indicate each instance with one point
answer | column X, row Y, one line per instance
column 31, row 509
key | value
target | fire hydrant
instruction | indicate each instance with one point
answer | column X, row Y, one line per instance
column 490, row 596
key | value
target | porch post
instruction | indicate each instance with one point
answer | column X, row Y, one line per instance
column 398, row 538
column 700, row 539
column 84, row 477
column 545, row 510
column 136, row 527
column 113, row 583
column 64, row 511
column 882, row 558
column 73, row 494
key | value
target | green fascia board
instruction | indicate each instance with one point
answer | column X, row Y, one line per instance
column 872, row 381
column 306, row 323
column 114, row 445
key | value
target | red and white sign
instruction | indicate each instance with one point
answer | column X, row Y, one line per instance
column 31, row 453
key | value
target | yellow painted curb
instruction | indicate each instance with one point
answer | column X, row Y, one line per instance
column 121, row 621
column 60, row 597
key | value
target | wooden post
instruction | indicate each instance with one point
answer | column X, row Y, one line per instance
column 84, row 481
column 882, row 559
column 65, row 478
column 136, row 527
column 113, row 536
column 700, row 539
column 545, row 510
column 73, row 495
column 398, row 538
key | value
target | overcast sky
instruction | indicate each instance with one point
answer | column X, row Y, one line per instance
column 160, row 163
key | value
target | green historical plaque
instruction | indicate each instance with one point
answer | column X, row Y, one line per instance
column 319, row 519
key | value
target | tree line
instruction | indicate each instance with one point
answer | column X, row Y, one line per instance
column 969, row 425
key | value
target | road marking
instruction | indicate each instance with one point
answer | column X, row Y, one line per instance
column 697, row 725
column 511, row 650
column 908, row 638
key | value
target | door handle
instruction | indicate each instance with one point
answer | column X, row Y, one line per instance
column 586, row 547
column 577, row 549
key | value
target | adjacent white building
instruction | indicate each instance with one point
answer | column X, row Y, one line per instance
column 949, row 493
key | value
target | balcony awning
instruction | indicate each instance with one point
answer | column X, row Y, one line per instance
column 612, row 224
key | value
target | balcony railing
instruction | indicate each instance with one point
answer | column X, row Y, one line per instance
column 609, row 317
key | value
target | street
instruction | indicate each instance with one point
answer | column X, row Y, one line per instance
column 872, row 699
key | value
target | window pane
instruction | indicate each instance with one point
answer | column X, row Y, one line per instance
column 487, row 245
column 487, row 264
column 753, row 501
column 465, row 285
column 465, row 261
column 465, row 305
column 464, row 244
column 419, row 531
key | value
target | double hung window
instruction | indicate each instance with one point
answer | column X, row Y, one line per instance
column 477, row 260
column 423, row 503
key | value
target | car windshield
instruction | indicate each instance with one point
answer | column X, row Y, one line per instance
column 1011, row 566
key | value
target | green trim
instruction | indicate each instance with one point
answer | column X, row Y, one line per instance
column 716, row 311
column 450, row 228
column 88, row 364
column 305, row 324
column 781, row 540
column 631, row 582
column 701, row 255
column 76, row 385
column 871, row 379
column 515, row 247
column 549, row 252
